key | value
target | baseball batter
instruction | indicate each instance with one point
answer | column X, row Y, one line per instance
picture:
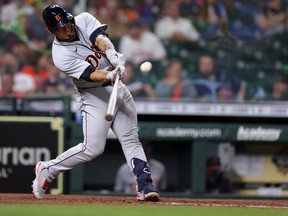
column 82, row 50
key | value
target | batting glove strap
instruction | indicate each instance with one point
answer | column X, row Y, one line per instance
column 115, row 58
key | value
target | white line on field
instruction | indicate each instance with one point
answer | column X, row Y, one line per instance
column 227, row 205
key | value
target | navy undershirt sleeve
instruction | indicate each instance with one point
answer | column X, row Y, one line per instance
column 86, row 74
column 101, row 30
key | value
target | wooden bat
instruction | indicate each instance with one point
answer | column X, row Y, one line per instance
column 112, row 100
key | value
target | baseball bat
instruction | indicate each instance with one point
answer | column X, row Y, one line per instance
column 112, row 100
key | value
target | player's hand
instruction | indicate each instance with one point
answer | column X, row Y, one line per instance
column 121, row 70
column 111, row 75
column 116, row 59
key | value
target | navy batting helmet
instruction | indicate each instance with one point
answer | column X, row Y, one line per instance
column 55, row 17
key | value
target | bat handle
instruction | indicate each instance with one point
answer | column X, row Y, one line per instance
column 112, row 100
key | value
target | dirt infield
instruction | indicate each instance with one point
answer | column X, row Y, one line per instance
column 127, row 200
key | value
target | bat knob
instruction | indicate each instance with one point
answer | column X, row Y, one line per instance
column 108, row 117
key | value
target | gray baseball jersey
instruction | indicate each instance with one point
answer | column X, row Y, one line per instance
column 73, row 58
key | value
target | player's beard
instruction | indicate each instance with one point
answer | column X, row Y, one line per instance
column 73, row 34
column 70, row 36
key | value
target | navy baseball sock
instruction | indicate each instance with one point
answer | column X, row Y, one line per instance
column 142, row 172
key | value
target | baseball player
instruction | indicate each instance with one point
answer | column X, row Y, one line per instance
column 82, row 50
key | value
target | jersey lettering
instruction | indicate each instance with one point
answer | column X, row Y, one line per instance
column 93, row 59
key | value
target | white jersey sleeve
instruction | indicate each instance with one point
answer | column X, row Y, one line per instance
column 65, row 60
column 89, row 22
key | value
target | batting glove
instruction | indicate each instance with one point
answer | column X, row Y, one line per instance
column 122, row 70
column 111, row 75
column 115, row 58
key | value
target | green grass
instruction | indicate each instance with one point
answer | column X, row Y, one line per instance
column 132, row 210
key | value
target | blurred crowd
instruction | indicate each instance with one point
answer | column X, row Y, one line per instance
column 150, row 30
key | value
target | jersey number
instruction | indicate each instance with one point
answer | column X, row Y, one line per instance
column 93, row 59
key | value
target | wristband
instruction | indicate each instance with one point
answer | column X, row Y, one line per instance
column 110, row 53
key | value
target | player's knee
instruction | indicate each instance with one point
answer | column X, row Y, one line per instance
column 92, row 153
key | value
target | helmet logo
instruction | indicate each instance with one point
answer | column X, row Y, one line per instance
column 58, row 18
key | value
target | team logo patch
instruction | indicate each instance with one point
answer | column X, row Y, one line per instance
column 58, row 18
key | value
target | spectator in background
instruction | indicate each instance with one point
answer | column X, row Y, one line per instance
column 209, row 80
column 214, row 17
column 26, row 57
column 243, row 21
column 273, row 17
column 21, row 51
column 131, row 11
column 217, row 11
column 216, row 182
column 174, row 85
column 125, row 181
column 34, row 28
column 286, row 23
column 42, row 65
column 56, row 82
column 279, row 88
column 141, row 45
column 224, row 93
column 149, row 10
column 7, row 60
column 23, row 83
column 114, row 17
column 173, row 27
column 11, row 13
column 190, row 9
column 6, row 85
column 136, row 86
column 67, row 4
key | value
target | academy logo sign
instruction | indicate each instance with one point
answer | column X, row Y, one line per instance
column 189, row 132
column 214, row 131
column 258, row 134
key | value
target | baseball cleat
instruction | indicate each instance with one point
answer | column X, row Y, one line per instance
column 40, row 183
column 148, row 194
